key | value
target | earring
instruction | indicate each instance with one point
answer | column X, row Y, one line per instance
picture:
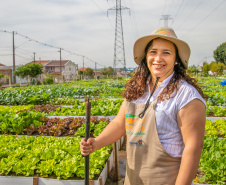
column 176, row 63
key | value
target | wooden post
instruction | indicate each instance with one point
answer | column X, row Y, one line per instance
column 91, row 182
column 116, row 175
column 35, row 180
column 108, row 170
column 100, row 180
column 87, row 135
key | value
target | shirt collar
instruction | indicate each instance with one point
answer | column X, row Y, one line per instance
column 165, row 82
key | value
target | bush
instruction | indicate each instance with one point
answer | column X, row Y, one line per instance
column 33, row 82
column 39, row 83
column 48, row 81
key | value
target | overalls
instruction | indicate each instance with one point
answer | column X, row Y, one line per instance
column 147, row 161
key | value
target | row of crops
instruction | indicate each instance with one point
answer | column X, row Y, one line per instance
column 60, row 94
column 68, row 93
column 48, row 145
column 52, row 156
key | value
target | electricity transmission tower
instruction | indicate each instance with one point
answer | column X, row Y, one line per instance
column 119, row 50
column 165, row 18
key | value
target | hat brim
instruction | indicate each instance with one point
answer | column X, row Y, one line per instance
column 140, row 45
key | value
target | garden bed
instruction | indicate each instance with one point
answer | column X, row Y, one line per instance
column 36, row 179
column 12, row 180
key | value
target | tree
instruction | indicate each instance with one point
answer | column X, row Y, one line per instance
column 88, row 72
column 35, row 69
column 8, row 77
column 22, row 71
column 192, row 70
column 205, row 69
column 80, row 72
column 110, row 71
column 213, row 67
column 217, row 68
column 104, row 71
column 32, row 70
column 219, row 54
column 220, row 68
column 1, row 75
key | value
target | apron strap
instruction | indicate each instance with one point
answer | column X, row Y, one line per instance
column 147, row 104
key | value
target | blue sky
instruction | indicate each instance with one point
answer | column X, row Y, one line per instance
column 82, row 27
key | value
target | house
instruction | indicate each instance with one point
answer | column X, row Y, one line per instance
column 199, row 68
column 97, row 73
column 119, row 74
column 4, row 72
column 42, row 62
column 67, row 68
column 82, row 69
column 8, row 71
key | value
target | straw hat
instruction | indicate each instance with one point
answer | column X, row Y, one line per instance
column 165, row 33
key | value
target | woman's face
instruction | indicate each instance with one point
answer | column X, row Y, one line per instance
column 160, row 58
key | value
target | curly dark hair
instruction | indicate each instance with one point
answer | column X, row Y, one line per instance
column 137, row 84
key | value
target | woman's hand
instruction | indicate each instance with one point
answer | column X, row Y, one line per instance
column 113, row 132
column 87, row 147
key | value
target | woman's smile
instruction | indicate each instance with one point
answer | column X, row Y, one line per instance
column 158, row 66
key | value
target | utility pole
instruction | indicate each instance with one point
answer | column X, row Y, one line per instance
column 83, row 67
column 119, row 50
column 165, row 18
column 95, row 69
column 34, row 56
column 14, row 66
column 60, row 62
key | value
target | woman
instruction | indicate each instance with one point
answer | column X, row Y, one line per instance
column 163, row 115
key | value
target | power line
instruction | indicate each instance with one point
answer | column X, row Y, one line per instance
column 125, row 3
column 41, row 43
column 190, row 14
column 103, row 13
column 177, row 12
column 170, row 7
column 98, row 6
column 24, row 57
column 164, row 7
column 133, row 19
column 22, row 44
column 37, row 41
column 5, row 47
column 23, row 52
column 6, row 55
column 204, row 18
column 163, row 10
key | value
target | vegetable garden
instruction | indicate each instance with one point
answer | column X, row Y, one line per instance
column 50, row 122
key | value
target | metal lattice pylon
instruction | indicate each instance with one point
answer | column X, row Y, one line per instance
column 119, row 49
column 165, row 18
